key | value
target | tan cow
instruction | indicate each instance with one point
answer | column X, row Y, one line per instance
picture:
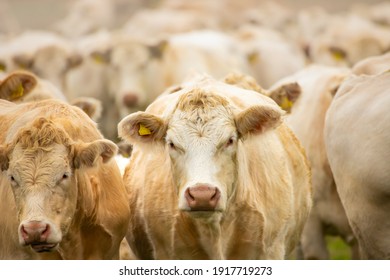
column 357, row 139
column 318, row 84
column 214, row 174
column 62, row 197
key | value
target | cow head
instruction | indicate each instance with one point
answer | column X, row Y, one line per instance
column 135, row 78
column 202, row 138
column 41, row 163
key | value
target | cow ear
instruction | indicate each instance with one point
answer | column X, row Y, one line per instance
column 101, row 57
column 243, row 81
column 91, row 106
column 156, row 51
column 286, row 95
column 257, row 119
column 142, row 127
column 23, row 61
column 4, row 161
column 17, row 85
column 87, row 154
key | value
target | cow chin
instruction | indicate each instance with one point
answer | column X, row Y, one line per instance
column 205, row 214
column 44, row 247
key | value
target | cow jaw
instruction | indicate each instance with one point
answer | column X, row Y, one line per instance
column 44, row 193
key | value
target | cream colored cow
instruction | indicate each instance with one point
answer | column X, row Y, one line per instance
column 214, row 174
column 372, row 65
column 318, row 84
column 357, row 140
column 24, row 86
column 143, row 69
column 347, row 40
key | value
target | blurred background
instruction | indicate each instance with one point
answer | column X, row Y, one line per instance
column 22, row 14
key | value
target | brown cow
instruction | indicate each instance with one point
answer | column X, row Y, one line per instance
column 214, row 174
column 62, row 195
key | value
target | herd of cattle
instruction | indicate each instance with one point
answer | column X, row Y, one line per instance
column 196, row 130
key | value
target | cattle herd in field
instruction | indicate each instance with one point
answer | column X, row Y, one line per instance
column 196, row 130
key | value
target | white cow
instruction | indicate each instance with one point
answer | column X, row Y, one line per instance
column 214, row 174
column 357, row 139
column 318, row 84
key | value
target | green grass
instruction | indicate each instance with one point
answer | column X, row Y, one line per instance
column 338, row 250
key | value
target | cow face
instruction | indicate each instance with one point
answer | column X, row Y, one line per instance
column 135, row 77
column 202, row 138
column 41, row 165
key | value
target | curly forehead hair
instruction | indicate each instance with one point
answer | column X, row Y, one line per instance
column 42, row 133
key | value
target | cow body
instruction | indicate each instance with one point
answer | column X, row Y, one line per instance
column 357, row 137
column 214, row 175
column 62, row 196
column 307, row 117
column 372, row 65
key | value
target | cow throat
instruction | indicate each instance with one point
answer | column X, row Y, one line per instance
column 209, row 233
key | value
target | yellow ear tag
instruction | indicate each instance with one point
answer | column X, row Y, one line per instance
column 338, row 56
column 286, row 104
column 2, row 67
column 143, row 130
column 253, row 57
column 98, row 58
column 18, row 92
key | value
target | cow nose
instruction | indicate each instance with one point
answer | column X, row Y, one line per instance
column 130, row 100
column 35, row 231
column 202, row 197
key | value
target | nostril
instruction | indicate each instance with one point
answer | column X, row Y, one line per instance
column 45, row 233
column 24, row 232
column 189, row 195
column 215, row 195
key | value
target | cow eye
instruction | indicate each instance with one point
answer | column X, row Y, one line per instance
column 65, row 176
column 230, row 142
column 12, row 178
column 171, row 145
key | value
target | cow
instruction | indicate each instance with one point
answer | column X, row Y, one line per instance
column 91, row 78
column 44, row 53
column 271, row 56
column 142, row 69
column 357, row 141
column 318, row 84
column 24, row 86
column 372, row 65
column 62, row 195
column 214, row 174
column 347, row 40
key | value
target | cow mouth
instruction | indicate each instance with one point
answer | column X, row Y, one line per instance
column 43, row 247
column 203, row 214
